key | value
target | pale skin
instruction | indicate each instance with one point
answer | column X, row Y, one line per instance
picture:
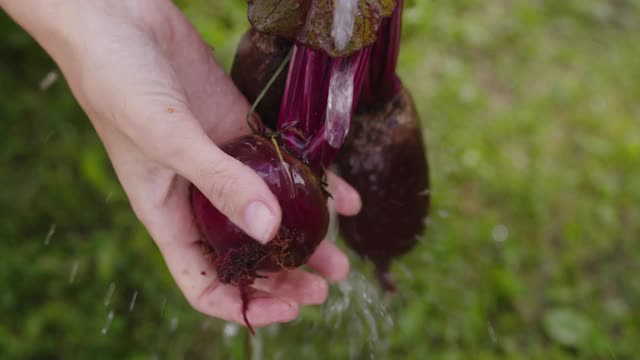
column 160, row 103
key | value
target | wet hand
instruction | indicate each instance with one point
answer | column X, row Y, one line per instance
column 160, row 103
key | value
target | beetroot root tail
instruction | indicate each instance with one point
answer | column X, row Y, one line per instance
column 244, row 295
column 385, row 279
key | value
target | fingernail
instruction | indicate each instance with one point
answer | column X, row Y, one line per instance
column 259, row 221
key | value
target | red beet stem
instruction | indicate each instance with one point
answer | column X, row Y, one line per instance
column 381, row 83
column 319, row 101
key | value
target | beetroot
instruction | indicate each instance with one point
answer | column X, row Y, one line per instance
column 384, row 159
column 304, row 215
column 239, row 258
column 257, row 58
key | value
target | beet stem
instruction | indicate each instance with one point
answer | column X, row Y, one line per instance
column 318, row 102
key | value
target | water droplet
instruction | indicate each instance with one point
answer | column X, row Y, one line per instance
column 107, row 198
column 48, row 137
column 405, row 270
column 205, row 324
column 230, row 330
column 110, row 291
column 52, row 230
column 107, row 324
column 74, row 271
column 500, row 233
column 173, row 325
column 492, row 332
column 443, row 214
column 163, row 306
column 132, row 303
column 471, row 158
column 49, row 79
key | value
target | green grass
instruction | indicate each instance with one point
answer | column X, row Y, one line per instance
column 532, row 119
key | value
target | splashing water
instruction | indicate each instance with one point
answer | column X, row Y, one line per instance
column 173, row 324
column 163, row 306
column 107, row 199
column 492, row 332
column 500, row 233
column 74, row 271
column 48, row 137
column 49, row 79
column 52, row 230
column 257, row 346
column 132, row 303
column 107, row 324
column 358, row 307
column 230, row 331
column 405, row 269
column 332, row 229
column 110, row 291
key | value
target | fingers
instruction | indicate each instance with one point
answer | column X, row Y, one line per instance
column 263, row 309
column 303, row 287
column 347, row 200
column 233, row 188
column 194, row 273
column 330, row 262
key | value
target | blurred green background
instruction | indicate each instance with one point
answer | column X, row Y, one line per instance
column 531, row 110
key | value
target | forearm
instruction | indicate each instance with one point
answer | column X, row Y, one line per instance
column 44, row 20
column 60, row 26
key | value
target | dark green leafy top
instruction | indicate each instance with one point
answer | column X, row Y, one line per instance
column 310, row 22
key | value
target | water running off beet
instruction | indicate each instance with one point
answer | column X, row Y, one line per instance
column 340, row 99
column 339, row 104
column 344, row 18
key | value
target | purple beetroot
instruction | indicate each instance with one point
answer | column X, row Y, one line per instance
column 385, row 160
column 256, row 61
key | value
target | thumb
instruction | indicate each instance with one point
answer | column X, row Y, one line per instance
column 233, row 188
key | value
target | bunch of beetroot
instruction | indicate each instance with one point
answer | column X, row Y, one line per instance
column 341, row 58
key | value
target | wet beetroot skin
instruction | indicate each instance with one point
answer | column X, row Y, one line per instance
column 385, row 160
column 257, row 58
column 305, row 218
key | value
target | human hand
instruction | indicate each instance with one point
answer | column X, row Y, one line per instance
column 160, row 103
